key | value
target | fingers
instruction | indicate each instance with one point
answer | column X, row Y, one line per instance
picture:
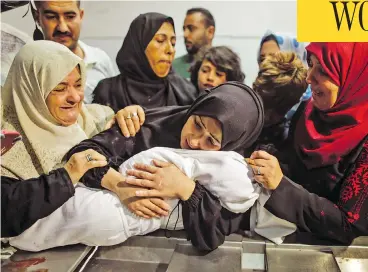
column 260, row 154
column 148, row 193
column 258, row 170
column 140, row 174
column 257, row 162
column 136, row 122
column 161, row 204
column 141, row 183
column 145, row 167
column 125, row 123
column 147, row 211
column 157, row 210
column 161, row 164
column 130, row 120
column 141, row 115
column 123, row 126
column 141, row 214
column 249, row 160
column 130, row 125
column 149, row 208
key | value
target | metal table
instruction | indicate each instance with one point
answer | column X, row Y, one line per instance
column 157, row 253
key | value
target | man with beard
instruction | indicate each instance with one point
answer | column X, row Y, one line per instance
column 199, row 30
column 60, row 22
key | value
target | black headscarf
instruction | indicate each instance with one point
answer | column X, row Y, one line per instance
column 137, row 83
column 235, row 105
column 238, row 109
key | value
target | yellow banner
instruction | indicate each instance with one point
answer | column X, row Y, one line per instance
column 332, row 21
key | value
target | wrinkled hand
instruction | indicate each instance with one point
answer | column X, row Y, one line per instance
column 130, row 120
column 79, row 164
column 266, row 169
column 163, row 179
column 147, row 207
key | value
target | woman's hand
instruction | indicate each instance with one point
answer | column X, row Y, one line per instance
column 81, row 162
column 147, row 207
column 266, row 169
column 130, row 120
column 164, row 179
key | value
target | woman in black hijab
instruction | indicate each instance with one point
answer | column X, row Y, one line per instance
column 235, row 107
column 239, row 112
column 144, row 61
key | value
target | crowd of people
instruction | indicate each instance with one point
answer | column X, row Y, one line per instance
column 107, row 154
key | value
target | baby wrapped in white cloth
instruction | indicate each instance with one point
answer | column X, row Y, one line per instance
column 97, row 217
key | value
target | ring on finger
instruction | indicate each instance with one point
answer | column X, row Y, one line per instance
column 258, row 171
column 128, row 116
column 134, row 114
column 89, row 157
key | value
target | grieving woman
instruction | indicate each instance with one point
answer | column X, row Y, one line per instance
column 214, row 66
column 146, row 77
column 42, row 99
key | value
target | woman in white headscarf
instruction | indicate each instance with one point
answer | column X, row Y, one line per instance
column 273, row 42
column 43, row 100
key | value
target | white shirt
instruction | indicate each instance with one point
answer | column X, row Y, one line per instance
column 99, row 66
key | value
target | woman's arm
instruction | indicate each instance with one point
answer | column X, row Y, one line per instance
column 341, row 221
column 207, row 223
column 24, row 202
column 111, row 144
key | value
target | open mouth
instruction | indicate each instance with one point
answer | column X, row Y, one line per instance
column 208, row 85
column 67, row 108
column 166, row 61
column 317, row 94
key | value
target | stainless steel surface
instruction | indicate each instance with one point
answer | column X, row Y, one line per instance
column 300, row 258
column 101, row 265
column 63, row 259
column 141, row 253
column 157, row 253
column 142, row 249
column 361, row 241
column 352, row 264
column 187, row 258
column 253, row 257
column 351, row 259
